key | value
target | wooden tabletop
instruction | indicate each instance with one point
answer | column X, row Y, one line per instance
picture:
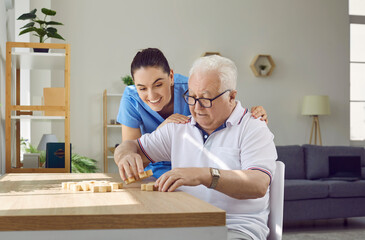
column 35, row 201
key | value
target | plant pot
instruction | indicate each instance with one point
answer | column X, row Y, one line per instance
column 41, row 50
column 263, row 72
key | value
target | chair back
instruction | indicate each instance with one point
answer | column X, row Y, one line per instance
column 275, row 222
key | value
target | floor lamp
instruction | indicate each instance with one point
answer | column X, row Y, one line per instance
column 315, row 106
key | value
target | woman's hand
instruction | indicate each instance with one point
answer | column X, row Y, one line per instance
column 259, row 111
column 175, row 118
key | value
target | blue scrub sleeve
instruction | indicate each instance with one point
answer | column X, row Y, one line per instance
column 159, row 168
column 128, row 114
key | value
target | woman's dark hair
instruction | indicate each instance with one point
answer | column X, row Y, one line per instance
column 149, row 57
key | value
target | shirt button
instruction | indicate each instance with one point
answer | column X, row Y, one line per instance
column 205, row 136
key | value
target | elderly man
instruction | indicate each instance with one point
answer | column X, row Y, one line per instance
column 222, row 156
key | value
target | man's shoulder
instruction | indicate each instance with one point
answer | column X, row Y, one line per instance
column 249, row 123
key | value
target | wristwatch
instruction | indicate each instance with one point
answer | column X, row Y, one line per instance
column 215, row 177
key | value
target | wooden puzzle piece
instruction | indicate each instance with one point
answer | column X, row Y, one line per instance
column 130, row 180
column 116, row 185
column 75, row 187
column 143, row 175
column 149, row 187
column 93, row 186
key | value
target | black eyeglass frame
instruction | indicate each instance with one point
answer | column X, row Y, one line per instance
column 198, row 99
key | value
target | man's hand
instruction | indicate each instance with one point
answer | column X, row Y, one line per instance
column 177, row 177
column 128, row 158
column 130, row 165
column 259, row 112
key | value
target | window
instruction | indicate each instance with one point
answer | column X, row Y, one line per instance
column 357, row 69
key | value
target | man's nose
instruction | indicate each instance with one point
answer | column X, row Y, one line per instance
column 198, row 105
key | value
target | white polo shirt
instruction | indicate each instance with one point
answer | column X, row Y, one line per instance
column 244, row 143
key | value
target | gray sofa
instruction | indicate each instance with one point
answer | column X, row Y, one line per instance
column 306, row 197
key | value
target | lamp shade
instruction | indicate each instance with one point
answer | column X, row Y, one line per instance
column 46, row 138
column 316, row 105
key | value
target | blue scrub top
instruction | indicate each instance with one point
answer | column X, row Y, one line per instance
column 134, row 113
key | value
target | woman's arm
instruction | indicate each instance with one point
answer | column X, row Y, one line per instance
column 129, row 133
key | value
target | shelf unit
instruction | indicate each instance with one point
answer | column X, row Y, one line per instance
column 107, row 149
column 15, row 112
column 265, row 60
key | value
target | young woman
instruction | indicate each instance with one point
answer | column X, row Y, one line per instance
column 156, row 98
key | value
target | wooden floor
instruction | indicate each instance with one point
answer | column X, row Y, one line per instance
column 326, row 230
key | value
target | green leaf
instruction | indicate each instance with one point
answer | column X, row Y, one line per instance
column 54, row 35
column 127, row 80
column 31, row 24
column 53, row 23
column 41, row 32
column 27, row 16
column 40, row 21
column 48, row 12
column 51, row 30
column 31, row 29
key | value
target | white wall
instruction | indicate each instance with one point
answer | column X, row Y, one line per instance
column 6, row 34
column 308, row 39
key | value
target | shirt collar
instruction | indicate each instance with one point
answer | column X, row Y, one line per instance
column 234, row 119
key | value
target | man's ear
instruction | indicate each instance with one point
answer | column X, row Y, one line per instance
column 172, row 77
column 232, row 95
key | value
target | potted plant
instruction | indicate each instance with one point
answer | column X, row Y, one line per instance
column 262, row 70
column 127, row 80
column 79, row 164
column 41, row 28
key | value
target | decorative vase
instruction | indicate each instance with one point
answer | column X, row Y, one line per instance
column 41, row 50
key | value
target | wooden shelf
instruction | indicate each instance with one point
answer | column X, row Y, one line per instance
column 39, row 117
column 114, row 94
column 49, row 61
column 106, row 126
column 19, row 61
column 114, row 125
column 265, row 60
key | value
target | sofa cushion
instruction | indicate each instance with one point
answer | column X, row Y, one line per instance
column 297, row 189
column 293, row 158
column 346, row 189
column 316, row 158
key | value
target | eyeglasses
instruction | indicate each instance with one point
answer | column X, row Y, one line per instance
column 204, row 102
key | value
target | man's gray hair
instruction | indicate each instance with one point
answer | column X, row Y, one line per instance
column 225, row 67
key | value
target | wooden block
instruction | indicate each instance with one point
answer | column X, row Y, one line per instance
column 116, row 185
column 143, row 187
column 102, row 188
column 151, row 187
column 145, row 174
column 70, row 184
column 85, row 186
column 75, row 187
column 64, row 185
column 130, row 180
column 94, row 188
column 149, row 173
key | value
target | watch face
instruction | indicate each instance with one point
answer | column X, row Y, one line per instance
column 215, row 172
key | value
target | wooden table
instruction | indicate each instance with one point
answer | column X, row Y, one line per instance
column 35, row 201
